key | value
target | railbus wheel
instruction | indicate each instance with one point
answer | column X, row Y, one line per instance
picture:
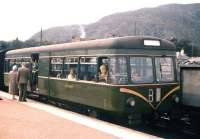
column 134, row 121
column 93, row 113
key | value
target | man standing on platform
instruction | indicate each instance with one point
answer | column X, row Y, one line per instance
column 22, row 78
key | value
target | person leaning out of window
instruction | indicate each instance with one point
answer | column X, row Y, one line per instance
column 103, row 75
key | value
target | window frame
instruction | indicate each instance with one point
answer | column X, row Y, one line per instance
column 77, row 60
column 88, row 63
column 51, row 71
column 15, row 61
column 109, row 57
column 7, row 67
column 65, row 74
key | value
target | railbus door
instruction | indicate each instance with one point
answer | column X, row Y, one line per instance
column 34, row 69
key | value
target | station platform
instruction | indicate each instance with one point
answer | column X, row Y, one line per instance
column 35, row 120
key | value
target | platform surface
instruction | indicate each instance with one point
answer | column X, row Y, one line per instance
column 34, row 120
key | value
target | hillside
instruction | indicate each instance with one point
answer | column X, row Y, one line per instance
column 175, row 20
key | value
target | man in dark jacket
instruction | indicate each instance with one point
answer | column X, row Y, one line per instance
column 22, row 79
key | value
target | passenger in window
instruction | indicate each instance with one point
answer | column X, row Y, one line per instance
column 72, row 75
column 103, row 75
column 58, row 75
column 135, row 76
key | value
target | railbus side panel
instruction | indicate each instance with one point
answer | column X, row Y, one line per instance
column 43, row 78
column 89, row 94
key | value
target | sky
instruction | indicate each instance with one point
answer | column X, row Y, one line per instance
column 23, row 18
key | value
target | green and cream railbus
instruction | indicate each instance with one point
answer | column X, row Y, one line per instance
column 141, row 75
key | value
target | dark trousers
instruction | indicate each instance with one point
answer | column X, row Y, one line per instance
column 22, row 92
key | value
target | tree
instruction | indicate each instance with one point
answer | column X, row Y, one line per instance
column 3, row 45
column 186, row 45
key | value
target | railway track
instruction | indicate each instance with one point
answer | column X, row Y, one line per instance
column 168, row 129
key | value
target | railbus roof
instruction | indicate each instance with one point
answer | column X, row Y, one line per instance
column 128, row 42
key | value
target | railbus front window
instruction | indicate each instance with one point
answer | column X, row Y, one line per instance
column 164, row 69
column 141, row 69
column 117, row 68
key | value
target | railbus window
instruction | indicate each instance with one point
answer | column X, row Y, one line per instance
column 15, row 62
column 88, row 68
column 141, row 69
column 7, row 65
column 70, row 64
column 56, row 67
column 18, row 62
column 27, row 62
column 117, row 70
column 164, row 69
column 12, row 63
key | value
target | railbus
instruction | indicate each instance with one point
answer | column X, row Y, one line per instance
column 141, row 77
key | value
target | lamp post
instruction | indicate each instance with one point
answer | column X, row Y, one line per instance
column 41, row 37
